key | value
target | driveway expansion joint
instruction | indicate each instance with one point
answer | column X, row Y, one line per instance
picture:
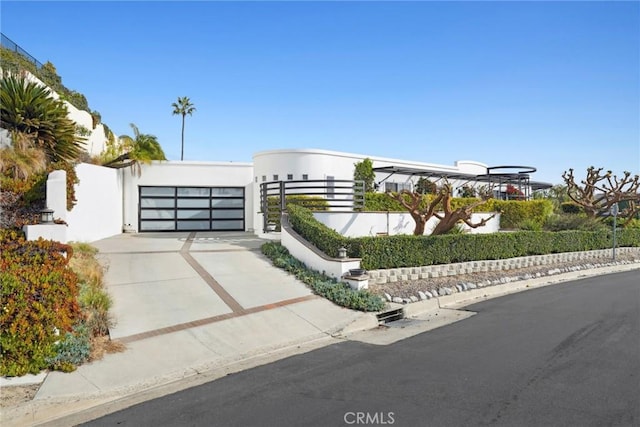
column 208, row 278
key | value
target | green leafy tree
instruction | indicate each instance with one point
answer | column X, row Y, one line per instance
column 364, row 172
column 467, row 191
column 28, row 108
column 181, row 108
column 426, row 186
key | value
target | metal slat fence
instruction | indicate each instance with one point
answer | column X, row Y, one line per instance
column 315, row 194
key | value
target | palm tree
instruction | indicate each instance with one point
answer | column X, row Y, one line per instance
column 141, row 148
column 27, row 108
column 183, row 107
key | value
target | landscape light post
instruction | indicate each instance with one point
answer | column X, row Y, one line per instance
column 614, row 212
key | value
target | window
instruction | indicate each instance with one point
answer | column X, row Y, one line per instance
column 275, row 177
column 256, row 179
column 397, row 186
column 331, row 187
column 264, row 178
column 305, row 177
column 290, row 176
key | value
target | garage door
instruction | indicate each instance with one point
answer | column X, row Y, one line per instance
column 191, row 208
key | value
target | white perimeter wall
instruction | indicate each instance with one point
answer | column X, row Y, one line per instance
column 98, row 211
column 357, row 224
column 185, row 174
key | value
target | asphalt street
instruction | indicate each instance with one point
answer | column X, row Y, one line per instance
column 563, row 355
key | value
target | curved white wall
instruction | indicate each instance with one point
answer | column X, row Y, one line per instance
column 318, row 164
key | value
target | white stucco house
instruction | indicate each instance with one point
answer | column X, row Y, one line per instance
column 226, row 196
column 186, row 195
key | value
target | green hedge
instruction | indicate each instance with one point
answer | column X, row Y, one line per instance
column 415, row 251
column 323, row 237
column 513, row 212
column 337, row 292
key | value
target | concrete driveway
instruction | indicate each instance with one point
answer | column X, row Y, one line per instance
column 166, row 280
column 187, row 302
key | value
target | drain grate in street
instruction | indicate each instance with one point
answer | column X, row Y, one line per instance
column 390, row 316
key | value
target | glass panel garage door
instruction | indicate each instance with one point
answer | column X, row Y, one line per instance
column 191, row 209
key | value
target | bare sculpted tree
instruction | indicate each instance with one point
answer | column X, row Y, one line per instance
column 421, row 210
column 599, row 191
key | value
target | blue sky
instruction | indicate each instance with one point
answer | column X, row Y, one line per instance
column 548, row 84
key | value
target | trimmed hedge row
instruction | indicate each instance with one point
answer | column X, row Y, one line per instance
column 323, row 237
column 414, row 251
column 513, row 211
column 337, row 292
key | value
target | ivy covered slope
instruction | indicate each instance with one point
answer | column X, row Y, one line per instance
column 337, row 292
column 15, row 63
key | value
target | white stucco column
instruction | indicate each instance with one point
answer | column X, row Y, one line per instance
column 57, row 194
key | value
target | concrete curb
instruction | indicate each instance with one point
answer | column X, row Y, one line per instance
column 77, row 409
column 461, row 299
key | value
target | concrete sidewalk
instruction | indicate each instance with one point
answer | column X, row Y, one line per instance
column 186, row 303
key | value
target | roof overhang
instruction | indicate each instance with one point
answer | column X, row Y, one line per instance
column 503, row 178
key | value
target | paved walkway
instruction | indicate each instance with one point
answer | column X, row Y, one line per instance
column 185, row 303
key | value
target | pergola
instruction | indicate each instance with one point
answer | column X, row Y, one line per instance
column 517, row 176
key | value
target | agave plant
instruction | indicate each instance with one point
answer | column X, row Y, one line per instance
column 29, row 109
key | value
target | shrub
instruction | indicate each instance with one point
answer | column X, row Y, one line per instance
column 94, row 300
column 72, row 350
column 515, row 212
column 337, row 292
column 561, row 222
column 39, row 299
column 95, row 303
column 571, row 208
column 529, row 225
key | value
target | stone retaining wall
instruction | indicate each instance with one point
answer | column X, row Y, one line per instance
column 443, row 270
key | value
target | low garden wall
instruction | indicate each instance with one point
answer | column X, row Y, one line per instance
column 311, row 256
column 391, row 275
